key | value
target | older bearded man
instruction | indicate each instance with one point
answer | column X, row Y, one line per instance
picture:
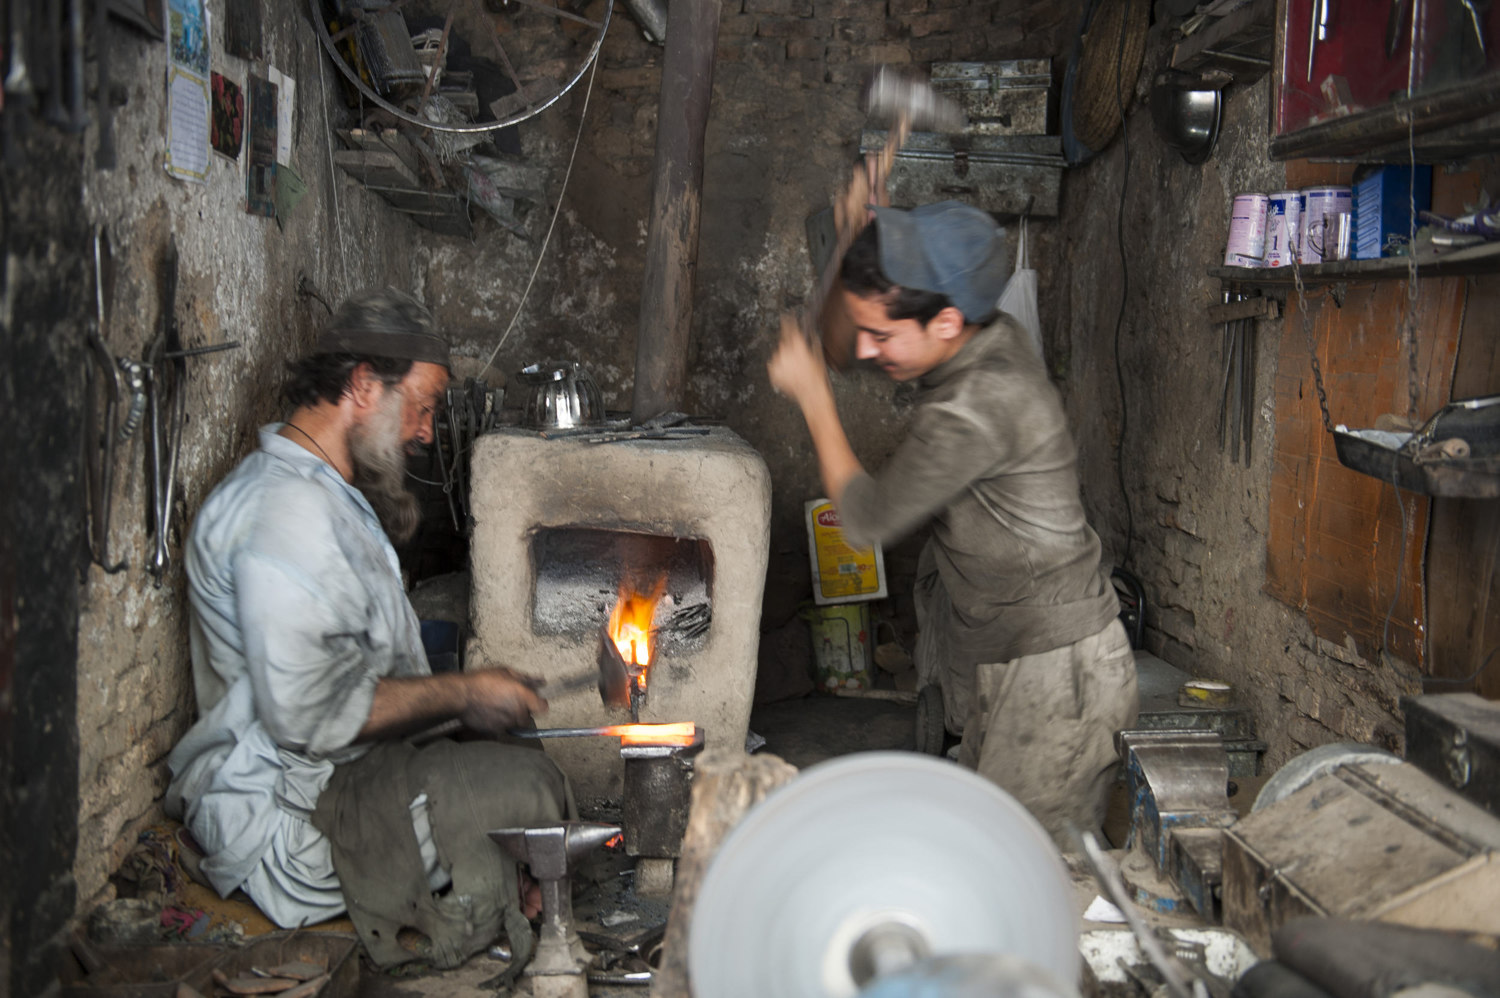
column 308, row 668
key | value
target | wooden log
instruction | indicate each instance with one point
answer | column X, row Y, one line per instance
column 664, row 331
column 726, row 784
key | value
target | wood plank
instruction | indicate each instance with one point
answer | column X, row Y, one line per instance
column 1464, row 594
column 1335, row 544
column 376, row 168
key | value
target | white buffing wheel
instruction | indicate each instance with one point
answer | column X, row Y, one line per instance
column 878, row 844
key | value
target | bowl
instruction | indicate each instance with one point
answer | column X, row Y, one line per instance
column 1187, row 116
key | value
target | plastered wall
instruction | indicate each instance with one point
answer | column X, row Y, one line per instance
column 238, row 280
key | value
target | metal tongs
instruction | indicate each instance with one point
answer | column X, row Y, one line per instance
column 100, row 466
column 166, row 375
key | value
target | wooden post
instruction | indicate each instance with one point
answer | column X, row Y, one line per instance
column 687, row 80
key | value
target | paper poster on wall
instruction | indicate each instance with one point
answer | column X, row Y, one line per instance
column 260, row 154
column 187, row 35
column 228, row 117
column 286, row 94
column 187, row 125
column 189, row 130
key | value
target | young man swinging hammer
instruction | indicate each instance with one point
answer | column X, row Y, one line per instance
column 1018, row 621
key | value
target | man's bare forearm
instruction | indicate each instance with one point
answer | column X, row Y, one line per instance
column 488, row 700
column 837, row 463
column 407, row 704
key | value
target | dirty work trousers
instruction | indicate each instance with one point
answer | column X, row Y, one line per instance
column 1042, row 728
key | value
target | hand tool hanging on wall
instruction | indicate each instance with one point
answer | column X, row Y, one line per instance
column 166, row 384
column 102, row 435
column 78, row 115
column 1237, row 401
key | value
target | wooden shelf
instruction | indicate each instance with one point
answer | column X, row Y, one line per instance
column 1483, row 259
column 1240, row 43
column 1445, row 124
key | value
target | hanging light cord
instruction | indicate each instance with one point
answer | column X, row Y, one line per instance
column 557, row 210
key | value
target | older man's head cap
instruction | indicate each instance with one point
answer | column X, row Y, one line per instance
column 384, row 323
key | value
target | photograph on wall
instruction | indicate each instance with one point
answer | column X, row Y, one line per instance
column 228, row 121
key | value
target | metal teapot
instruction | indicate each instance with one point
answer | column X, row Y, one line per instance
column 559, row 395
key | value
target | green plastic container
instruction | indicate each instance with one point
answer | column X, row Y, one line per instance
column 843, row 650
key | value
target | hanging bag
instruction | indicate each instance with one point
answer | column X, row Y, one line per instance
column 1019, row 297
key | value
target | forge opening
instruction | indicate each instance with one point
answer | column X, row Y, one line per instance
column 579, row 573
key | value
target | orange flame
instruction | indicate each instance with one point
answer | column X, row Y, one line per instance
column 630, row 625
column 678, row 733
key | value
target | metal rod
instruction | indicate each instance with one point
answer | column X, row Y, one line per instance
column 199, row 351
column 78, row 115
column 604, row 729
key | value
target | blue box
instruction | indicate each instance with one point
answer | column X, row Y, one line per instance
column 1382, row 208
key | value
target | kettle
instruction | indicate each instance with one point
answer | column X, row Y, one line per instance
column 560, row 394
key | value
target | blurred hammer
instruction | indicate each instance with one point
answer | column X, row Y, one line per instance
column 905, row 103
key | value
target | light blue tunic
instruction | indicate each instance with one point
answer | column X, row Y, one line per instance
column 297, row 612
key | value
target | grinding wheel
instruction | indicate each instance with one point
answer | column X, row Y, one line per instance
column 870, row 862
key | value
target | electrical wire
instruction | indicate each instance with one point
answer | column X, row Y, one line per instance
column 1466, row 679
column 333, row 178
column 1408, row 340
column 557, row 210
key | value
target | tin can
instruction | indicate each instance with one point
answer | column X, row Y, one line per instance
column 1247, row 231
column 1319, row 204
column 1283, row 217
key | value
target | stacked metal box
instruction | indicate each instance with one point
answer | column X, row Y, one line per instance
column 1004, row 161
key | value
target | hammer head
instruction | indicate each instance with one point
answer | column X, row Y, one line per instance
column 892, row 97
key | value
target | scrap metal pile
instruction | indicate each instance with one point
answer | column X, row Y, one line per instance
column 437, row 94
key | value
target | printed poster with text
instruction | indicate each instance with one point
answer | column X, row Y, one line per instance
column 188, row 107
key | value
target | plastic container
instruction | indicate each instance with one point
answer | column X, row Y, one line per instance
column 840, row 573
column 843, row 649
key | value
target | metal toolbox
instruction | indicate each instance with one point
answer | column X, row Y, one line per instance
column 1366, row 842
column 1455, row 739
column 1005, row 175
column 1000, row 98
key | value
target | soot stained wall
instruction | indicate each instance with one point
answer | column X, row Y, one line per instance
column 783, row 132
column 1197, row 523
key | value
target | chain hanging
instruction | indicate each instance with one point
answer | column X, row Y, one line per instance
column 1312, row 347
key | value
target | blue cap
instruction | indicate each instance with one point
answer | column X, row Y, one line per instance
column 949, row 247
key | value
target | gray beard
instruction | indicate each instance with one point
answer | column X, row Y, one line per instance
column 379, row 459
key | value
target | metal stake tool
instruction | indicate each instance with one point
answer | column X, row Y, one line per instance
column 101, row 467
column 1247, row 421
column 1224, row 343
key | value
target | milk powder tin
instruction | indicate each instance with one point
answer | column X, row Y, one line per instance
column 1283, row 217
column 1319, row 204
column 1247, row 231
